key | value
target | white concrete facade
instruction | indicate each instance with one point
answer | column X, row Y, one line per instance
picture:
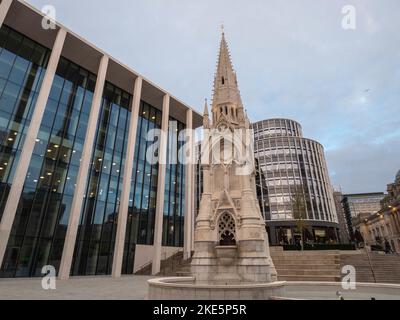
column 4, row 7
column 25, row 19
column 26, row 154
column 189, row 225
column 161, row 188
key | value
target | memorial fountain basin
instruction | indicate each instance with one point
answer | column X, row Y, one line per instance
column 186, row 288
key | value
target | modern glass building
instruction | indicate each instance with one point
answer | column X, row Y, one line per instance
column 360, row 205
column 77, row 189
column 291, row 164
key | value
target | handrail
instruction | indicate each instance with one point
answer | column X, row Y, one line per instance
column 164, row 267
column 163, row 254
column 370, row 263
column 145, row 265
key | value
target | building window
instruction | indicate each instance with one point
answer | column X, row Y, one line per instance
column 41, row 221
column 143, row 193
column 96, row 232
column 174, row 197
column 22, row 66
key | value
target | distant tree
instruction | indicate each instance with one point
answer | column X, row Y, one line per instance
column 299, row 213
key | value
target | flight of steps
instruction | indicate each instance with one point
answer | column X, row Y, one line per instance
column 172, row 266
column 176, row 267
column 323, row 265
column 386, row 268
column 306, row 265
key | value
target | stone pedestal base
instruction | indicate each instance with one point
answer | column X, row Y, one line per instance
column 248, row 262
column 189, row 289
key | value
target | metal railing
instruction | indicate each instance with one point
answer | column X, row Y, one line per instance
column 142, row 267
column 370, row 263
column 166, row 262
column 170, row 264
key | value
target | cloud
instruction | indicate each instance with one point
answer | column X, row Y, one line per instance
column 293, row 59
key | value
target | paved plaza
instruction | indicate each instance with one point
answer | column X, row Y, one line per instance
column 96, row 288
column 135, row 288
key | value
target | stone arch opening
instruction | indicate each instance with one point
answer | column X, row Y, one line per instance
column 227, row 230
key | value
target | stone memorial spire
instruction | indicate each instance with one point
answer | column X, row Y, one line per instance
column 231, row 243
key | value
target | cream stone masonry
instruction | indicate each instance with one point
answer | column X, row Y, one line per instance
column 4, row 7
column 29, row 144
column 126, row 184
column 77, row 202
column 162, row 156
column 230, row 238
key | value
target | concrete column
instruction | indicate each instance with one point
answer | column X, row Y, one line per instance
column 126, row 183
column 189, row 196
column 4, row 7
column 158, row 228
column 29, row 144
column 81, row 183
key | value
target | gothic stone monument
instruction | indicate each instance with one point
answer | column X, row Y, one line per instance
column 231, row 243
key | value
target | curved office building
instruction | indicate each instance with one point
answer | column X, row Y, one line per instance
column 293, row 165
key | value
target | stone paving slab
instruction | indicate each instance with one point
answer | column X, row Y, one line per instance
column 77, row 288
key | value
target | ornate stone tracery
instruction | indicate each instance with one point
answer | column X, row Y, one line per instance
column 231, row 244
column 227, row 229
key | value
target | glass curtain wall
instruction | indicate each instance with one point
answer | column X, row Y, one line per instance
column 22, row 66
column 97, row 228
column 174, row 197
column 39, row 229
column 143, row 194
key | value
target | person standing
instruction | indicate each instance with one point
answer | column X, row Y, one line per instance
column 388, row 248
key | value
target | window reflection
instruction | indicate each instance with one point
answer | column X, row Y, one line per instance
column 41, row 220
column 97, row 228
column 22, row 67
column 143, row 194
column 174, row 196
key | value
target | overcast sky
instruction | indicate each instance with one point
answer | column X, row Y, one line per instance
column 292, row 57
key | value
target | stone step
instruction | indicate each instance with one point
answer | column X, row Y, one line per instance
column 386, row 275
column 386, row 269
column 372, row 259
column 375, row 267
column 289, row 277
column 303, row 254
column 275, row 249
column 304, row 262
column 314, row 256
column 388, row 281
column 309, row 272
column 365, row 263
column 182, row 274
column 299, row 266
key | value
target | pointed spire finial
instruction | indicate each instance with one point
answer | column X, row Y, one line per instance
column 225, row 92
column 206, row 120
column 205, row 107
